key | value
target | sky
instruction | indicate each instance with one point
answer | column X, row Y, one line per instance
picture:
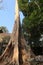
column 7, row 14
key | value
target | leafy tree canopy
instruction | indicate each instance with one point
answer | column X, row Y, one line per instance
column 33, row 20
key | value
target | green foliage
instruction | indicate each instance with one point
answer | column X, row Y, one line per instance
column 40, row 1
column 28, row 7
column 33, row 21
column 23, row 5
column 4, row 29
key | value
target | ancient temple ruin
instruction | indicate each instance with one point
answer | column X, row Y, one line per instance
column 17, row 51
